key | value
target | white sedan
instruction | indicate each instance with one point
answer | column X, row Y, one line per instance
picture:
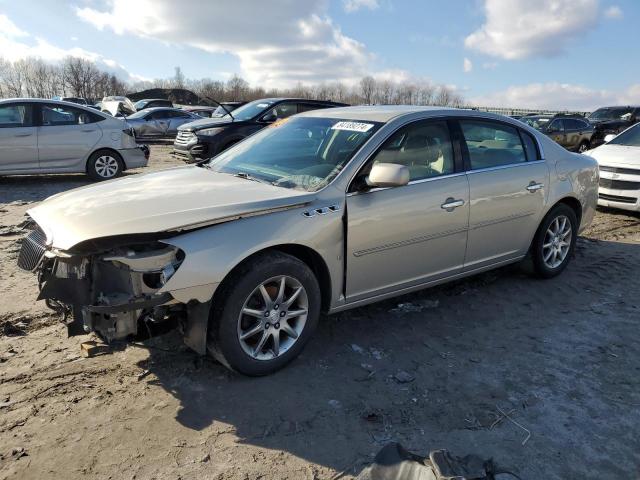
column 619, row 163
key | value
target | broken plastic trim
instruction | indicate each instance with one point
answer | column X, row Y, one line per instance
column 135, row 304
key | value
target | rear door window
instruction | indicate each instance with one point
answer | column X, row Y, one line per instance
column 16, row 115
column 56, row 115
column 530, row 148
column 492, row 144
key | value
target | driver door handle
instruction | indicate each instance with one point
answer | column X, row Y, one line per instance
column 23, row 134
column 451, row 203
column 534, row 187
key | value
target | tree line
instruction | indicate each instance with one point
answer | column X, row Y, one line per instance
column 78, row 77
column 73, row 77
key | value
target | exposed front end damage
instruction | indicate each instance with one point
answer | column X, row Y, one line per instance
column 114, row 292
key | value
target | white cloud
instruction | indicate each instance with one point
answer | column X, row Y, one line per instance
column 290, row 41
column 558, row 96
column 9, row 29
column 613, row 12
column 16, row 44
column 516, row 29
column 355, row 5
column 467, row 65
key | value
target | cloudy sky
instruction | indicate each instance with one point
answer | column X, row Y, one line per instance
column 522, row 53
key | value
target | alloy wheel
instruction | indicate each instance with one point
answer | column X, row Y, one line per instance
column 106, row 166
column 557, row 242
column 273, row 317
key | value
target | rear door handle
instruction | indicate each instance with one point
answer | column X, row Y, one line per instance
column 451, row 203
column 534, row 187
column 88, row 130
column 23, row 134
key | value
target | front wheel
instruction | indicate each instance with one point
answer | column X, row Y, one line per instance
column 267, row 312
column 555, row 241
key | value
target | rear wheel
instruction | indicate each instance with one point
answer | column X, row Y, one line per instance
column 104, row 165
column 268, row 311
column 555, row 241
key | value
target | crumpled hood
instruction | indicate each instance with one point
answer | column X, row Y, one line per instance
column 612, row 154
column 174, row 199
column 206, row 123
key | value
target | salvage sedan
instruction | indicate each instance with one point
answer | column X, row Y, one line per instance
column 320, row 212
column 159, row 122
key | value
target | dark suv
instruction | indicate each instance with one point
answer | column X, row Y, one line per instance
column 573, row 132
column 206, row 138
column 612, row 120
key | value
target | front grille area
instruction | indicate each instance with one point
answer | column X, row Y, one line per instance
column 617, row 198
column 184, row 137
column 32, row 250
column 627, row 171
column 619, row 184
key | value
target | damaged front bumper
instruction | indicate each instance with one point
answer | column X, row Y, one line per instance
column 116, row 293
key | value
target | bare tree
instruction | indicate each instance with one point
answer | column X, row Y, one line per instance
column 238, row 88
column 367, row 89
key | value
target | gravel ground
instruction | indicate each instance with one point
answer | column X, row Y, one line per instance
column 434, row 369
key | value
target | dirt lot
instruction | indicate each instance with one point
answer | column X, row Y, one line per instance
column 431, row 370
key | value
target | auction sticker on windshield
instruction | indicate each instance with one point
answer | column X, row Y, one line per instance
column 353, row 126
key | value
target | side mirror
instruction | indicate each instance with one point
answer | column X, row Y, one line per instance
column 270, row 117
column 388, row 175
column 609, row 137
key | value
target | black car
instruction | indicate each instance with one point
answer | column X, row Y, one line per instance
column 612, row 120
column 206, row 138
column 152, row 103
column 573, row 132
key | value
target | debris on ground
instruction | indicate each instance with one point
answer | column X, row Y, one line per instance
column 403, row 377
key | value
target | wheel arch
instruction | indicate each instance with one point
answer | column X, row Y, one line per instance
column 105, row 149
column 305, row 254
column 572, row 203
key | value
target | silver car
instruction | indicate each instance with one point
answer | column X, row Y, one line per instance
column 321, row 212
column 159, row 122
column 48, row 136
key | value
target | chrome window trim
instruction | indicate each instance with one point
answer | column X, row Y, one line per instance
column 502, row 167
column 413, row 182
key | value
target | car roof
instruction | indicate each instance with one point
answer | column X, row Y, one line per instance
column 161, row 109
column 377, row 113
column 44, row 100
column 153, row 100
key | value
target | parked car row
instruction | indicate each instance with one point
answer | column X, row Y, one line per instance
column 322, row 211
column 206, row 138
column 579, row 133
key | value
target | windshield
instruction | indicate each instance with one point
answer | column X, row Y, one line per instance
column 630, row 137
column 140, row 103
column 251, row 109
column 301, row 153
column 539, row 123
column 610, row 113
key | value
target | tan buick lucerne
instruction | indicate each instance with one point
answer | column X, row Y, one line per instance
column 320, row 212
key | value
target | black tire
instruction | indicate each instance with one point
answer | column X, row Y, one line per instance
column 583, row 147
column 542, row 268
column 105, row 165
column 223, row 334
